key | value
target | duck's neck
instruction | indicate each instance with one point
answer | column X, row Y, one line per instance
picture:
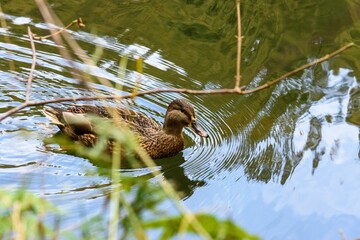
column 172, row 128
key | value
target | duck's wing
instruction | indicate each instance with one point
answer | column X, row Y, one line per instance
column 76, row 117
column 71, row 124
column 142, row 124
column 90, row 109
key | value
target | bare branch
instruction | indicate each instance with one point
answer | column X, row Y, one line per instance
column 117, row 97
column 14, row 110
column 299, row 69
column 33, row 64
column 239, row 39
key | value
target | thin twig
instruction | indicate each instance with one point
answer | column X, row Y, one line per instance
column 115, row 97
column 50, row 17
column 299, row 69
column 78, row 21
column 239, row 39
column 14, row 110
column 47, row 15
column 33, row 64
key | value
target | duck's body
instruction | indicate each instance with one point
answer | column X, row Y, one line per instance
column 159, row 141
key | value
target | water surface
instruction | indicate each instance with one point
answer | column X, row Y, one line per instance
column 283, row 163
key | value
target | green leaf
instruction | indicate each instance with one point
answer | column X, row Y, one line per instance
column 217, row 229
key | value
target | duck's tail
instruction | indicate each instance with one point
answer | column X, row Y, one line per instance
column 53, row 115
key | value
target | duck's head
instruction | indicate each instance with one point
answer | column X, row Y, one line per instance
column 180, row 114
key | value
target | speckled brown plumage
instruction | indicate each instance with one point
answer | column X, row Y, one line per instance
column 159, row 141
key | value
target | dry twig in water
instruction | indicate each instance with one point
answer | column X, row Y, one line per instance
column 239, row 42
column 33, row 64
column 78, row 22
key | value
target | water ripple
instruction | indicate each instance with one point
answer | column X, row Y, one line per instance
column 244, row 132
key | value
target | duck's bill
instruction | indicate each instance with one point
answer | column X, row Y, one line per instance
column 199, row 130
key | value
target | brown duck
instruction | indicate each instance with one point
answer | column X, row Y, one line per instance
column 159, row 141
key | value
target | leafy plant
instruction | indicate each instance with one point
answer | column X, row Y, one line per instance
column 23, row 214
column 217, row 229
